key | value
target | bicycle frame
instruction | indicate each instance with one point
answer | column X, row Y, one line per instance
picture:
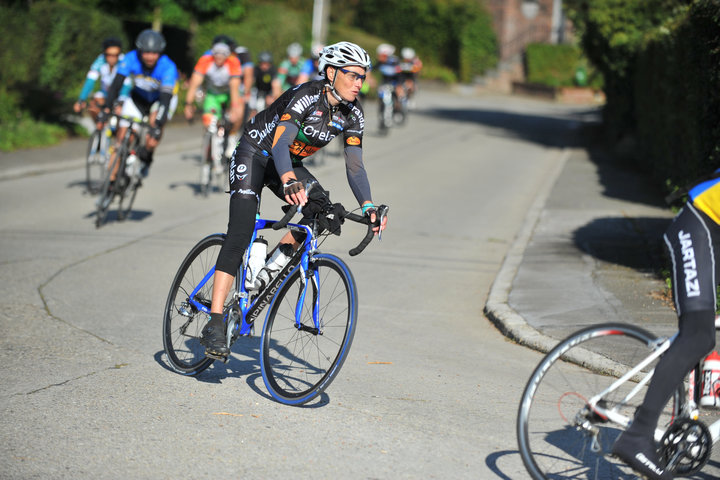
column 613, row 415
column 241, row 323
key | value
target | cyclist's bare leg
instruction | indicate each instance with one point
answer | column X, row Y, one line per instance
column 222, row 283
column 112, row 164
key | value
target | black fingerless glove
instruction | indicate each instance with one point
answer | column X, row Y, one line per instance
column 155, row 132
column 292, row 186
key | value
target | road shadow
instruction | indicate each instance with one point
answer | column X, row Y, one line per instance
column 566, row 129
column 244, row 361
column 492, row 462
column 634, row 242
column 112, row 216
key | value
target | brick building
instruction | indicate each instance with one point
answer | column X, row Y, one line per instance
column 518, row 23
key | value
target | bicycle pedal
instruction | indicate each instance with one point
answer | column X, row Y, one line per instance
column 222, row 358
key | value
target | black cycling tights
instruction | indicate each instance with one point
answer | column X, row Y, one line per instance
column 695, row 340
column 690, row 240
column 239, row 233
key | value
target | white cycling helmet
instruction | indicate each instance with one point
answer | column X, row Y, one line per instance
column 343, row 54
column 407, row 53
column 385, row 49
column 294, row 50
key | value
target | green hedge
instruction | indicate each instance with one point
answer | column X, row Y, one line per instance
column 45, row 53
column 559, row 65
column 454, row 33
column 677, row 92
column 660, row 62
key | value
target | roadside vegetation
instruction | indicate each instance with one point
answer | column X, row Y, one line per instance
column 660, row 63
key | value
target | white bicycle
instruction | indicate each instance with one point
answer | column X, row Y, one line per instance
column 584, row 393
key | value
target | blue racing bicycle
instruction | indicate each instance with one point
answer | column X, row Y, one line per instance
column 311, row 303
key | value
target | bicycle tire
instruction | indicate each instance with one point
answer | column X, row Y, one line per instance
column 298, row 365
column 107, row 192
column 183, row 322
column 206, row 165
column 128, row 186
column 95, row 162
column 551, row 443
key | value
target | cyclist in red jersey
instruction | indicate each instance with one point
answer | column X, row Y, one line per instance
column 270, row 153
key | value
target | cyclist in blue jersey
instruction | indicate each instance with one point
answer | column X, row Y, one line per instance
column 154, row 92
column 693, row 241
column 271, row 152
column 104, row 69
column 310, row 70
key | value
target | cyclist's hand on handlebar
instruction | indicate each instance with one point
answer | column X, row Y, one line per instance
column 294, row 192
column 189, row 111
column 102, row 117
column 371, row 212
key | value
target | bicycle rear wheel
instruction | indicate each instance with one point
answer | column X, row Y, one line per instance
column 558, row 434
column 298, row 364
column 183, row 322
column 96, row 161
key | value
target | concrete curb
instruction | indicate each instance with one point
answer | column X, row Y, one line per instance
column 497, row 307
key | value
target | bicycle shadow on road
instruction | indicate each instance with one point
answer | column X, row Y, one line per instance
column 112, row 216
column 244, row 361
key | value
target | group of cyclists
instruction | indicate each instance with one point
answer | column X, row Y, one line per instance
column 145, row 82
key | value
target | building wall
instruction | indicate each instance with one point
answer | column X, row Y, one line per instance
column 518, row 23
column 515, row 30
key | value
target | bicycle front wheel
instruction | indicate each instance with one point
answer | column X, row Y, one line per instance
column 299, row 361
column 559, row 435
column 183, row 321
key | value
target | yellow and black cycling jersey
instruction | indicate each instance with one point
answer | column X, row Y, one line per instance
column 705, row 196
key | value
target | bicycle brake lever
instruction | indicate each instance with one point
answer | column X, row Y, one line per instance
column 308, row 186
column 382, row 212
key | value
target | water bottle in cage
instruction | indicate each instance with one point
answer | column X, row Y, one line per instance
column 710, row 389
column 256, row 261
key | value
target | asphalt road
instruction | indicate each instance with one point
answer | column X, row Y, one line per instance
column 429, row 390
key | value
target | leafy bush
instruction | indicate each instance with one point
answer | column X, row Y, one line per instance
column 44, row 72
column 453, row 33
column 677, row 100
column 259, row 30
column 661, row 65
column 558, row 66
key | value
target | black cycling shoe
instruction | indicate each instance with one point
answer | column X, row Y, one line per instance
column 640, row 454
column 214, row 340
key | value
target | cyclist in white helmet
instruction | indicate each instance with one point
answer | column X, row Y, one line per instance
column 290, row 68
column 271, row 152
column 410, row 66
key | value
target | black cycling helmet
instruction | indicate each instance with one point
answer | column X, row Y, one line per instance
column 150, row 41
column 226, row 39
column 111, row 42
